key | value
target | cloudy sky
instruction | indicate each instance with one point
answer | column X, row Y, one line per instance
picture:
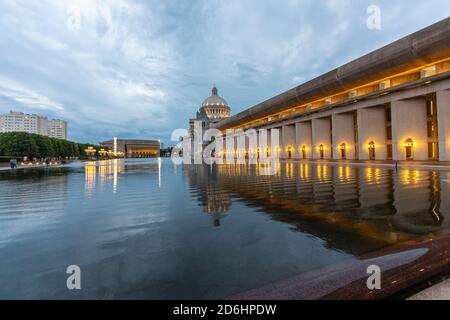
column 140, row 69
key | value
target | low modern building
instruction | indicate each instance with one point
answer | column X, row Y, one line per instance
column 133, row 148
column 32, row 123
column 393, row 103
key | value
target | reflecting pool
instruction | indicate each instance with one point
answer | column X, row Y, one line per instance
column 154, row 230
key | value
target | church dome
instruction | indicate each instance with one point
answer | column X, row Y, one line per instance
column 215, row 108
column 215, row 100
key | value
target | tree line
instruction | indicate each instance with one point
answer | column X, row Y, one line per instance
column 21, row 144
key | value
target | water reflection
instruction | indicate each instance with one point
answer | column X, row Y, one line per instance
column 215, row 201
column 149, row 229
column 355, row 209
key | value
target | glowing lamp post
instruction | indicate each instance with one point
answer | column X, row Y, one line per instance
column 90, row 151
column 103, row 153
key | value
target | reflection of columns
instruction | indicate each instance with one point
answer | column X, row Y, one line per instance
column 288, row 137
column 343, row 135
column 375, row 188
column 443, row 114
column 411, row 196
column 304, row 138
column 372, row 128
column 321, row 136
column 345, row 185
column 444, row 206
column 409, row 121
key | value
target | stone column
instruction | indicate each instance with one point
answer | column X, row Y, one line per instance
column 276, row 142
column 288, row 137
column 321, row 135
column 443, row 114
column 303, row 137
column 409, row 121
column 343, row 133
column 372, row 128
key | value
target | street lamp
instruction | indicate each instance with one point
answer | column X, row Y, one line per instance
column 90, row 151
column 103, row 153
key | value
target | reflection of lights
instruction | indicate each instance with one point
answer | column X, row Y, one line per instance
column 410, row 176
column 159, row 172
column 115, row 173
column 304, row 171
column 344, row 173
column 322, row 172
column 90, row 172
column 290, row 170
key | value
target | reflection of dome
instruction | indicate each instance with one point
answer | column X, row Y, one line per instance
column 217, row 201
column 215, row 107
column 214, row 199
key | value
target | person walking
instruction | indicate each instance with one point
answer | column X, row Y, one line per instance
column 13, row 163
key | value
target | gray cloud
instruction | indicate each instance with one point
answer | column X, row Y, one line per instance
column 141, row 68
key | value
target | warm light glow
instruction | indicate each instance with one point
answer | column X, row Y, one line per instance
column 409, row 143
column 90, row 151
column 425, row 70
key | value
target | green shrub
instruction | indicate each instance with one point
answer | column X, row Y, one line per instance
column 23, row 144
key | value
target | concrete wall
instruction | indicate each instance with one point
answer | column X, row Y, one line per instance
column 288, row 136
column 343, row 132
column 276, row 142
column 303, row 137
column 321, row 135
column 443, row 113
column 409, row 121
column 372, row 127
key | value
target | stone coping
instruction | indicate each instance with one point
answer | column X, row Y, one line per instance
column 402, row 266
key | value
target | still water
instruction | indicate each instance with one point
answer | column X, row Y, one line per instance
column 153, row 230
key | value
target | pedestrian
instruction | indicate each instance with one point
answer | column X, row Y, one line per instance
column 11, row 163
column 15, row 163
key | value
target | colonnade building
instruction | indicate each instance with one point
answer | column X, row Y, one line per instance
column 391, row 104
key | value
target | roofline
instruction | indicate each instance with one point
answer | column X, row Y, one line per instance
column 425, row 46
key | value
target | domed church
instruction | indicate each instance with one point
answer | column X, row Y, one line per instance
column 213, row 110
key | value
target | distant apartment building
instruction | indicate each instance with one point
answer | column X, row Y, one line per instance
column 32, row 123
column 57, row 129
